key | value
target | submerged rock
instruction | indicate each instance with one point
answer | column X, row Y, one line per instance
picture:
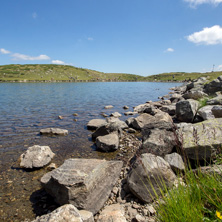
column 36, row 157
column 85, row 183
column 54, row 131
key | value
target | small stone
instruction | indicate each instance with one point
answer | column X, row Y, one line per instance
column 75, row 114
column 60, row 117
column 108, row 107
column 52, row 166
column 151, row 209
column 125, row 107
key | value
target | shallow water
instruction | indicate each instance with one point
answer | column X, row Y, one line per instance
column 25, row 108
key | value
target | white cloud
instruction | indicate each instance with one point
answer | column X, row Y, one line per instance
column 58, row 62
column 90, row 39
column 169, row 50
column 4, row 51
column 18, row 56
column 208, row 36
column 219, row 68
column 194, row 3
column 34, row 15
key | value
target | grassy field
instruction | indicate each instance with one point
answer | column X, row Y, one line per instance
column 59, row 73
column 182, row 76
column 49, row 72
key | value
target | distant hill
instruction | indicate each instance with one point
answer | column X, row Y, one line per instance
column 50, row 73
column 181, row 76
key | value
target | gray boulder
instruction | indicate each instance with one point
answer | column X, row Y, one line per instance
column 214, row 86
column 199, row 83
column 175, row 161
column 108, row 142
column 194, row 94
column 186, row 110
column 158, row 141
column 130, row 113
column 85, row 183
column 36, row 157
column 145, row 108
column 112, row 213
column 96, row 123
column 144, row 119
column 217, row 111
column 117, row 122
column 149, row 176
column 215, row 101
column 206, row 112
column 129, row 121
column 54, row 131
column 170, row 109
column 65, row 213
column 200, row 140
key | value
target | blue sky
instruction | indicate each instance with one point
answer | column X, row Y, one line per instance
column 143, row 37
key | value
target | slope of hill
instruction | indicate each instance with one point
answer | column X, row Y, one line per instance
column 181, row 76
column 50, row 72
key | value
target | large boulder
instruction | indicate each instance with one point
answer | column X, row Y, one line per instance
column 194, row 94
column 36, row 157
column 214, row 86
column 186, row 110
column 170, row 109
column 85, row 183
column 117, row 122
column 144, row 119
column 215, row 101
column 206, row 112
column 54, row 131
column 96, row 123
column 108, row 142
column 65, row 213
column 112, row 213
column 200, row 141
column 149, row 176
column 158, row 142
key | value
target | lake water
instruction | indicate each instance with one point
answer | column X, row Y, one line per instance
column 25, row 108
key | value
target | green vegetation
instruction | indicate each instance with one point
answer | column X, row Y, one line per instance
column 182, row 76
column 50, row 72
column 59, row 73
column 199, row 199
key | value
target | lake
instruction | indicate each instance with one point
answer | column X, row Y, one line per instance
column 28, row 107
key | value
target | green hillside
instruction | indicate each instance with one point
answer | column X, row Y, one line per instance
column 182, row 76
column 50, row 72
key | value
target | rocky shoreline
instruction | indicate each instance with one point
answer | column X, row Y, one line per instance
column 174, row 130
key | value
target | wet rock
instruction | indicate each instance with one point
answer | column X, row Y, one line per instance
column 200, row 140
column 206, row 112
column 148, row 173
column 60, row 117
column 130, row 113
column 108, row 142
column 96, row 123
column 126, row 107
column 175, row 161
column 85, row 183
column 66, row 213
column 108, row 107
column 54, row 131
column 114, row 213
column 186, row 110
column 36, row 156
column 217, row 111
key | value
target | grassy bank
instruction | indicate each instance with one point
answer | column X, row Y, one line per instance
column 50, row 72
